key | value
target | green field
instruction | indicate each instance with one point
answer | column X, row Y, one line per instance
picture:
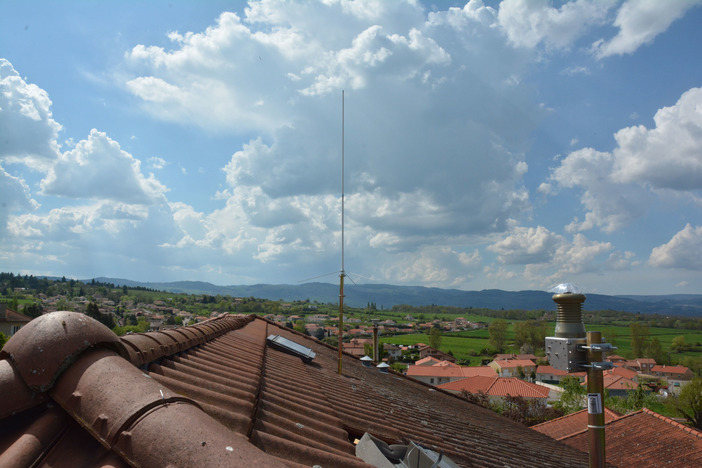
column 470, row 345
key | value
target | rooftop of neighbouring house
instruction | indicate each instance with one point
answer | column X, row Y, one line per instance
column 497, row 386
column 646, row 439
column 570, row 424
column 453, row 372
column 9, row 315
column 513, row 363
column 553, row 371
column 671, row 369
column 220, row 394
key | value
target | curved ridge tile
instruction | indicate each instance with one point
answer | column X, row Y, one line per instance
column 49, row 344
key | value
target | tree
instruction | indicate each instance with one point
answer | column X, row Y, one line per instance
column 527, row 412
column 639, row 338
column 530, row 332
column 689, row 403
column 678, row 344
column 435, row 337
column 300, row 327
column 94, row 311
column 572, row 397
column 655, row 351
column 320, row 333
column 32, row 310
column 63, row 304
column 3, row 339
column 498, row 334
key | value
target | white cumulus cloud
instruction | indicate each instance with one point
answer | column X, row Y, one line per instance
column 97, row 168
column 529, row 23
column 684, row 250
column 29, row 131
column 527, row 245
column 669, row 155
column 619, row 187
column 639, row 22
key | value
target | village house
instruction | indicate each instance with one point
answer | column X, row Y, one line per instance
column 445, row 371
column 427, row 361
column 11, row 321
column 497, row 388
column 551, row 375
column 673, row 373
column 616, row 385
column 393, row 351
column 623, row 372
column 641, row 365
column 356, row 346
column 428, row 351
column 615, row 359
column 509, row 357
column 317, row 318
column 512, row 367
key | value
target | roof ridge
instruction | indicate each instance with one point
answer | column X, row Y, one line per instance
column 143, row 348
column 569, row 415
column 674, row 423
column 494, row 381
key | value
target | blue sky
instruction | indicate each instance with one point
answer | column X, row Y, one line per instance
column 511, row 145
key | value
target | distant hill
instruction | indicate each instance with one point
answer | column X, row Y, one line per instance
column 386, row 295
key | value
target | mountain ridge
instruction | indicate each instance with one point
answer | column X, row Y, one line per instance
column 386, row 295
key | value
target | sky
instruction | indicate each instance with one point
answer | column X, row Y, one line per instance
column 486, row 145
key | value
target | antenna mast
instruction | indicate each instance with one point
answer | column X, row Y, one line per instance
column 342, row 273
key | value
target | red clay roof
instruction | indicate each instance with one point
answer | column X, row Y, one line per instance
column 570, row 424
column 553, row 371
column 216, row 394
column 623, row 372
column 497, row 386
column 646, row 439
column 427, row 361
column 12, row 316
column 616, row 382
column 514, row 363
column 456, row 372
column 670, row 369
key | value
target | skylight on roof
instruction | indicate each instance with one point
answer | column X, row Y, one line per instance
column 291, row 347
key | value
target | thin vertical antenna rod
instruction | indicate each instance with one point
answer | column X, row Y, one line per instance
column 342, row 273
column 342, row 181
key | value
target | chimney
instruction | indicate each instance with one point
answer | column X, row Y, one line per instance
column 376, row 357
column 3, row 308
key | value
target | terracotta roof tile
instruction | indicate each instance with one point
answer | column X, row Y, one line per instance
column 497, row 386
column 553, row 371
column 647, row 439
column 455, row 372
column 12, row 316
column 570, row 424
column 217, row 395
column 670, row 369
column 513, row 363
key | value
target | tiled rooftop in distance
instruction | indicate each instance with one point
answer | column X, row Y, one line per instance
column 570, row 424
column 646, row 439
column 497, row 386
column 216, row 394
